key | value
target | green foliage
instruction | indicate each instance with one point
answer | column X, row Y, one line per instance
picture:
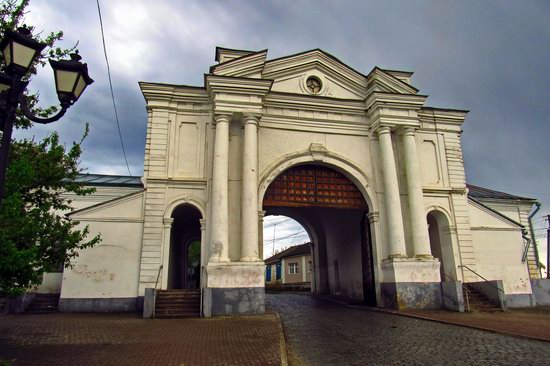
column 35, row 234
column 194, row 254
column 12, row 13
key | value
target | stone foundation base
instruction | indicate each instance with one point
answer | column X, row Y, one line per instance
column 99, row 305
column 233, row 301
column 234, row 288
column 411, row 295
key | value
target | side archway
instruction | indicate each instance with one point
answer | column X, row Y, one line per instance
column 439, row 230
column 182, row 246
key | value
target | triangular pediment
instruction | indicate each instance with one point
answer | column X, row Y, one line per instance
column 290, row 75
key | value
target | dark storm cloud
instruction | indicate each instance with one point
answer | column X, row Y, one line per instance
column 490, row 57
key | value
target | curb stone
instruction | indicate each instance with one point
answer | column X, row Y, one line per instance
column 282, row 342
column 503, row 332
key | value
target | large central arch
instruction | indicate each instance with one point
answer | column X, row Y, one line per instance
column 334, row 211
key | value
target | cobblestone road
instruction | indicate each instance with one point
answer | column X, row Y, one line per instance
column 322, row 333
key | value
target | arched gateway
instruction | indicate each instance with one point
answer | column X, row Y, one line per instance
column 357, row 159
column 334, row 211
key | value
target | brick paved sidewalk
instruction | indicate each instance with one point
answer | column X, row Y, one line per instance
column 126, row 339
column 529, row 322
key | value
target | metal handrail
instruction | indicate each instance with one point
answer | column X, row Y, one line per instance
column 484, row 279
column 467, row 290
column 158, row 275
column 155, row 291
column 448, row 276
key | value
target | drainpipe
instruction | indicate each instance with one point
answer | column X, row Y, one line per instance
column 537, row 208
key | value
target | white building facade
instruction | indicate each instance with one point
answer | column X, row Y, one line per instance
column 375, row 177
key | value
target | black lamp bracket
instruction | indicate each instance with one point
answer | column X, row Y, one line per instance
column 23, row 103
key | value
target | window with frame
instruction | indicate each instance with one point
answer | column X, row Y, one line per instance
column 309, row 267
column 293, row 268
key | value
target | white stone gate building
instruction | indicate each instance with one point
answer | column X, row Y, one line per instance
column 358, row 160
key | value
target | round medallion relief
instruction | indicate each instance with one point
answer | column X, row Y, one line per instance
column 313, row 84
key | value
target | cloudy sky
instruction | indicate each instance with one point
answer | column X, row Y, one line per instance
column 490, row 57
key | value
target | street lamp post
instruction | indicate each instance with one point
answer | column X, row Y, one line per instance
column 19, row 50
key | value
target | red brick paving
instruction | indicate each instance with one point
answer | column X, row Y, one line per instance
column 529, row 322
column 126, row 339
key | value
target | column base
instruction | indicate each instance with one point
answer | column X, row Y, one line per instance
column 234, row 288
column 411, row 284
column 218, row 260
column 250, row 259
column 397, row 256
column 424, row 257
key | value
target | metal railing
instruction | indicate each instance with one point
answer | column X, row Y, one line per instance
column 483, row 278
column 466, row 290
column 155, row 291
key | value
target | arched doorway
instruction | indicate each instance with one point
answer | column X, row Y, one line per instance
column 441, row 245
column 185, row 248
column 333, row 210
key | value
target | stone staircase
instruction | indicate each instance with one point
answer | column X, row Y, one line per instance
column 43, row 304
column 478, row 301
column 178, row 304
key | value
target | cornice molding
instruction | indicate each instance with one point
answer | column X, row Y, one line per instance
column 237, row 85
column 246, row 65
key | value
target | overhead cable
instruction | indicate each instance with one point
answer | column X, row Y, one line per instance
column 111, row 86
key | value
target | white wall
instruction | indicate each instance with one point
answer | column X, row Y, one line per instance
column 111, row 268
column 499, row 247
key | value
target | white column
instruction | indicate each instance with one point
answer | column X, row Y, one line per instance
column 261, row 215
column 219, row 241
column 204, row 253
column 419, row 225
column 166, row 244
column 396, row 235
column 249, row 196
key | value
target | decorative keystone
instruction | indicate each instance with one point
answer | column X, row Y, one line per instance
column 318, row 151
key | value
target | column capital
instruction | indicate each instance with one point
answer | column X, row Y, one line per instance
column 251, row 118
column 167, row 221
column 203, row 224
column 408, row 131
column 373, row 217
column 382, row 130
column 222, row 117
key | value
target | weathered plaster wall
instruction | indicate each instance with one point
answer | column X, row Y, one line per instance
column 499, row 248
column 110, row 270
column 51, row 283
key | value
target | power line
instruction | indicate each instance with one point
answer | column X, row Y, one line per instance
column 275, row 224
column 285, row 237
column 111, row 86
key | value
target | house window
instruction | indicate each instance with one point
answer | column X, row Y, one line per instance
column 293, row 268
column 309, row 267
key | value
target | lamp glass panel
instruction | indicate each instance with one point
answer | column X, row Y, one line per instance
column 65, row 80
column 23, row 55
column 80, row 86
column 4, row 87
column 7, row 54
